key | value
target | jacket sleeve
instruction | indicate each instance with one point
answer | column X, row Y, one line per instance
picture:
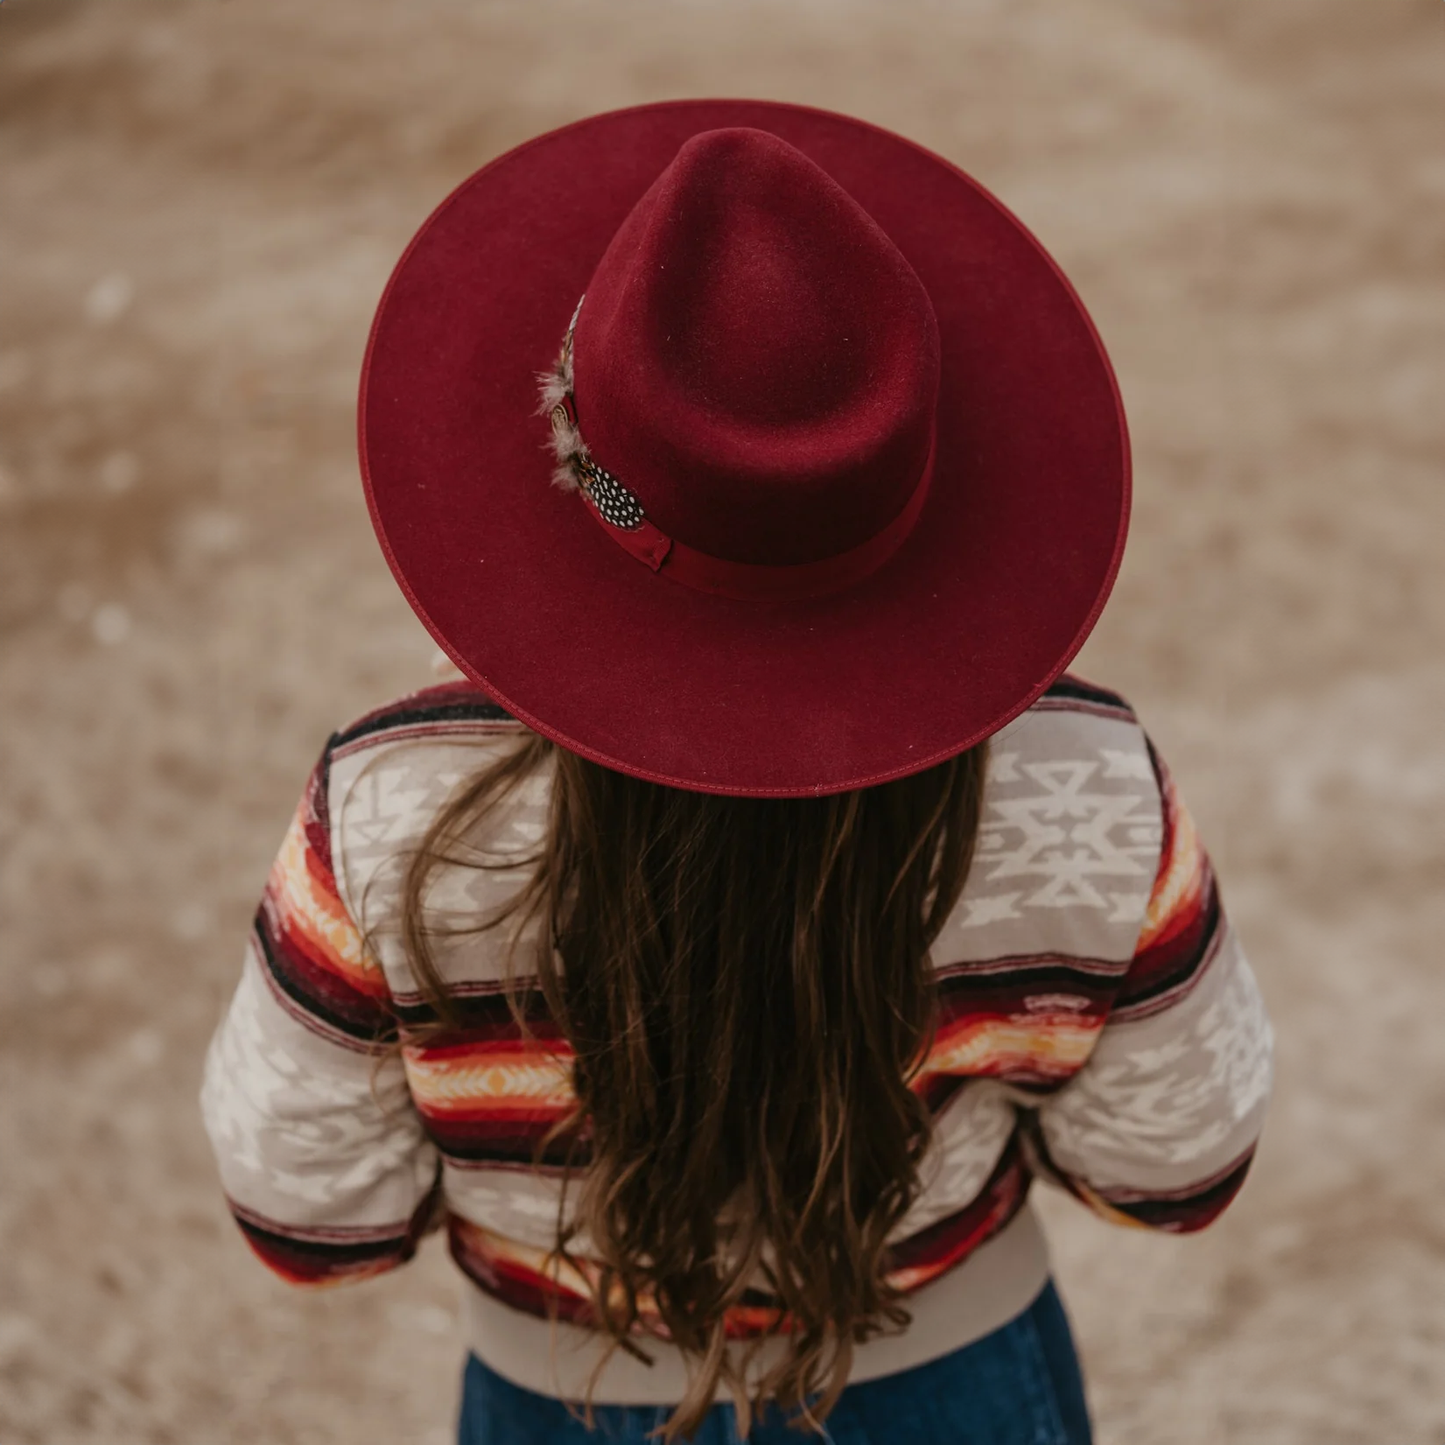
column 321, row 1153
column 1160, row 1125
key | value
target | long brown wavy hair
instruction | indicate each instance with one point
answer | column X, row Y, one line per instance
column 744, row 984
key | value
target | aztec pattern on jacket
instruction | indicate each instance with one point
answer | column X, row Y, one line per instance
column 1098, row 1025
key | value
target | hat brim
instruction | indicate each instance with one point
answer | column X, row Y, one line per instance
column 966, row 625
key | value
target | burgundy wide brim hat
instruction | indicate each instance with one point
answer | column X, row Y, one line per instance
column 844, row 468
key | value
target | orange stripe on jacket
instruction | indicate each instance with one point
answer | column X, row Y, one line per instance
column 308, row 906
column 1183, row 872
column 489, row 1079
column 1053, row 1045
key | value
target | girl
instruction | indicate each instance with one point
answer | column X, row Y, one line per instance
column 724, row 959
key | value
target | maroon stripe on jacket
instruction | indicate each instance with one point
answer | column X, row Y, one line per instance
column 1185, row 1210
column 1088, row 696
column 447, row 702
column 330, row 1255
column 317, row 991
column 950, row 1240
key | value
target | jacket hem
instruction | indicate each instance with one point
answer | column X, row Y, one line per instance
column 995, row 1284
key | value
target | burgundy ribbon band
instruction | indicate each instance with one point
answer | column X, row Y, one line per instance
column 754, row 582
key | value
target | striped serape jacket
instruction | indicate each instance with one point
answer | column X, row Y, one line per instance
column 1098, row 1027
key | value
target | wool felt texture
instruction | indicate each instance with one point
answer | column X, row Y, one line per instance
column 755, row 358
column 759, row 368
column 771, row 451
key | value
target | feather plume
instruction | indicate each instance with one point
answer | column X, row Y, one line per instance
column 555, row 392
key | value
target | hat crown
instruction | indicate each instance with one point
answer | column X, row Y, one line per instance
column 755, row 359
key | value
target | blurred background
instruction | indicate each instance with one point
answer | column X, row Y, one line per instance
column 199, row 205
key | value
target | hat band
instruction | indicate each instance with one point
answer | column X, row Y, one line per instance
column 621, row 516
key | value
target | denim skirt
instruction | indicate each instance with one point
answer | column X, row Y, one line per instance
column 1019, row 1385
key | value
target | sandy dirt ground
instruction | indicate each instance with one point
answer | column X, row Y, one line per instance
column 199, row 205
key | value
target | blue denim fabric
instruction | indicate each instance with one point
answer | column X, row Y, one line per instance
column 1018, row 1386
